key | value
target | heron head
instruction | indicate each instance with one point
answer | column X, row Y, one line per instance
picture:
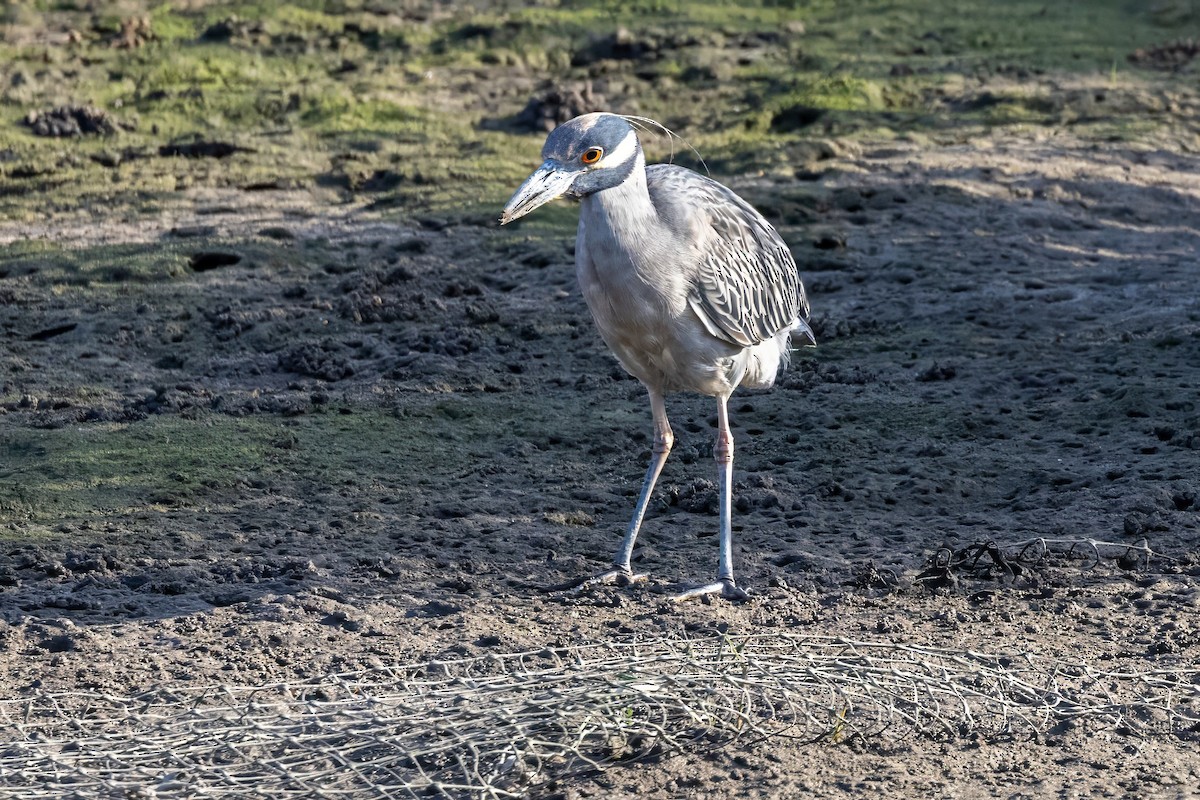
column 582, row 156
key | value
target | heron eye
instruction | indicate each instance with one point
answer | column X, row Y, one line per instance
column 591, row 155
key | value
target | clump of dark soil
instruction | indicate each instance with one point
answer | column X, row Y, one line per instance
column 235, row 29
column 1171, row 56
column 66, row 121
column 621, row 45
column 135, row 32
column 795, row 117
column 323, row 360
column 556, row 104
column 213, row 259
column 202, row 148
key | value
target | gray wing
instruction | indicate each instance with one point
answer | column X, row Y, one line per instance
column 746, row 289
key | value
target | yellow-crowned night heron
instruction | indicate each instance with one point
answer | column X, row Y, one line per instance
column 691, row 288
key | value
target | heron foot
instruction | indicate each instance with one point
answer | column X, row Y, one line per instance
column 724, row 587
column 620, row 576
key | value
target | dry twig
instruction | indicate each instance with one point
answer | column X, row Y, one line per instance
column 497, row 726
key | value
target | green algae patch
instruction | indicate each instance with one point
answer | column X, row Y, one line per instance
column 109, row 470
column 46, row 265
column 100, row 471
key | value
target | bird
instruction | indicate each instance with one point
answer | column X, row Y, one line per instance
column 688, row 285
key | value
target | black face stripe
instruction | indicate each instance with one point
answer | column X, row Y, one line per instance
column 596, row 180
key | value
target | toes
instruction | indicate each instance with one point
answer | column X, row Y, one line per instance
column 616, row 575
column 732, row 592
column 726, row 588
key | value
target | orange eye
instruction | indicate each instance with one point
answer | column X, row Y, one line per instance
column 591, row 155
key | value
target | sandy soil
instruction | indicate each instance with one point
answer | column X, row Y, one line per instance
column 1009, row 349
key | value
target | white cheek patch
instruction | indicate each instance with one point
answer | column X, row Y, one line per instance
column 622, row 153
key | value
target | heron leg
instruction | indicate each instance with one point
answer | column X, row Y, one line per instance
column 622, row 570
column 723, row 453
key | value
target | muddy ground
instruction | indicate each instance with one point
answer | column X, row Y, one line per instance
column 268, row 434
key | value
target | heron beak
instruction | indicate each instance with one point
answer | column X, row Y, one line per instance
column 550, row 181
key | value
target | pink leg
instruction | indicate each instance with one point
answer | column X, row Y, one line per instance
column 663, row 440
column 723, row 453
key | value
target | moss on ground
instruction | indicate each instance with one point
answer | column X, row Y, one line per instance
column 103, row 470
column 68, row 475
column 335, row 92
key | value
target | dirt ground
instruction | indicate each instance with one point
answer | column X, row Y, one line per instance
column 1008, row 350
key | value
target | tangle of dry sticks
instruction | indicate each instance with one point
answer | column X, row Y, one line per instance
column 499, row 726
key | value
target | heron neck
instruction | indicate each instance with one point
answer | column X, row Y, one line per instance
column 625, row 209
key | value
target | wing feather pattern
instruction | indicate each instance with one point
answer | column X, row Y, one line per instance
column 746, row 288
